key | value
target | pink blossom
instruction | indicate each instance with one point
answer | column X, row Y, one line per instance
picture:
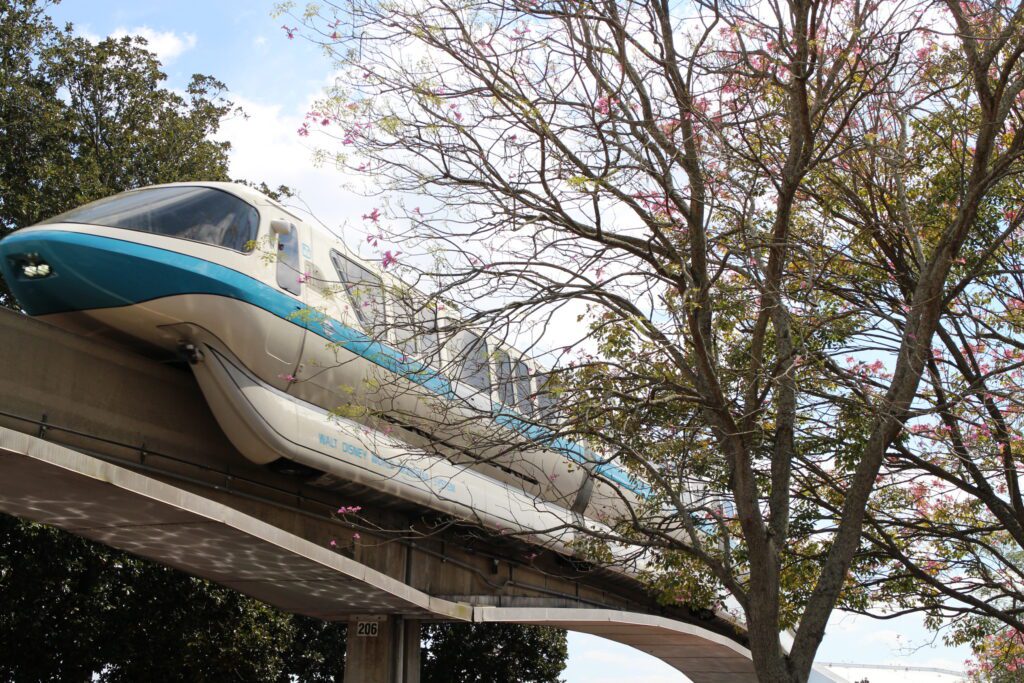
column 389, row 259
column 290, row 31
column 372, row 216
column 287, row 377
column 669, row 126
column 604, row 105
column 356, row 536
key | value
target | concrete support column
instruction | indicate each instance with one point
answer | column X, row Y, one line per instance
column 382, row 650
column 410, row 652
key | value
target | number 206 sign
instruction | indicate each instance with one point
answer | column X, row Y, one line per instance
column 367, row 629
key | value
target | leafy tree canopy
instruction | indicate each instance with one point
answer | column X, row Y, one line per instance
column 793, row 233
column 493, row 653
column 80, row 121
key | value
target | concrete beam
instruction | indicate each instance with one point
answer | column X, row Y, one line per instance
column 55, row 485
column 703, row 656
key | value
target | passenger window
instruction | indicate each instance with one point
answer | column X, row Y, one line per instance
column 472, row 360
column 547, row 396
column 427, row 341
column 365, row 293
column 503, row 371
column 524, row 392
column 404, row 323
column 288, row 261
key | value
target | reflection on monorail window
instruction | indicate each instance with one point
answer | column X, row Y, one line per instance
column 547, row 396
column 414, row 325
column 503, row 375
column 288, row 261
column 201, row 214
column 472, row 359
column 524, row 393
column 365, row 293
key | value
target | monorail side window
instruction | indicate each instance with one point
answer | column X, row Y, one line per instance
column 288, row 261
column 472, row 360
column 404, row 323
column 365, row 293
column 547, row 396
column 200, row 214
column 524, row 404
column 413, row 322
column 428, row 343
column 503, row 373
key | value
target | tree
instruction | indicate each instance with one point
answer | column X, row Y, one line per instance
column 80, row 121
column 999, row 659
column 762, row 213
column 502, row 653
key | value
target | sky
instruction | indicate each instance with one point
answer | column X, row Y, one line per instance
column 275, row 80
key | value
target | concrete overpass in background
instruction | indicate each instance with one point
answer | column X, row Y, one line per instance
column 123, row 450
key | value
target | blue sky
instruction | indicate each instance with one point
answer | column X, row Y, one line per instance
column 275, row 80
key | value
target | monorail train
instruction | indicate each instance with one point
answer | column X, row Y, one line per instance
column 305, row 354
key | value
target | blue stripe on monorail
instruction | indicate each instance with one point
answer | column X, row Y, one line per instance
column 92, row 271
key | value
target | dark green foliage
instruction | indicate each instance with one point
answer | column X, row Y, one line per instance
column 492, row 653
column 45, row 580
column 316, row 653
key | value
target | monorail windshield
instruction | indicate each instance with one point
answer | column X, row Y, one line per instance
column 202, row 214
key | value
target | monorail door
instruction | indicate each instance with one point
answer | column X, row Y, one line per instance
column 285, row 338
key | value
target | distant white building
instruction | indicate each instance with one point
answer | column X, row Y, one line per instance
column 892, row 673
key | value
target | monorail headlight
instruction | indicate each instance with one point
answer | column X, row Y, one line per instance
column 36, row 270
column 31, row 267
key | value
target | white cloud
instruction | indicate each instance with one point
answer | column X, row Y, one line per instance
column 84, row 32
column 266, row 146
column 167, row 45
